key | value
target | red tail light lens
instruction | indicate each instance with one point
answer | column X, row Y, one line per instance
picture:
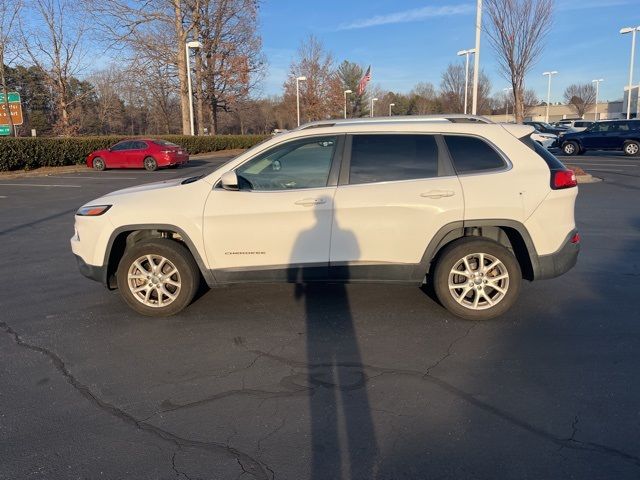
column 563, row 179
column 575, row 238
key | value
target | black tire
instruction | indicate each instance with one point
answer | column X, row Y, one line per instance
column 98, row 164
column 466, row 248
column 150, row 164
column 570, row 148
column 178, row 257
column 631, row 148
column 582, row 151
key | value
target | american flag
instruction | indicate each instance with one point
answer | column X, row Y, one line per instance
column 363, row 83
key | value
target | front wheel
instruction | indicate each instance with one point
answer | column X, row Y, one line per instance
column 477, row 279
column 570, row 148
column 150, row 164
column 158, row 277
column 631, row 148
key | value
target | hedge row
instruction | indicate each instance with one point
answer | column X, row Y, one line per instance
column 29, row 153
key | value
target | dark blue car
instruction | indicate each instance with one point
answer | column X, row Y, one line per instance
column 608, row 135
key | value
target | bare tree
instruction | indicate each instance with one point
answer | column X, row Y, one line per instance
column 9, row 12
column 56, row 49
column 580, row 97
column 424, row 98
column 452, row 89
column 517, row 30
column 321, row 95
column 150, row 30
column 232, row 61
column 530, row 101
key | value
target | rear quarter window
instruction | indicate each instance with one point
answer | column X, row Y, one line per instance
column 472, row 154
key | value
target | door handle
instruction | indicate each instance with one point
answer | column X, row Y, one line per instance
column 309, row 202
column 438, row 194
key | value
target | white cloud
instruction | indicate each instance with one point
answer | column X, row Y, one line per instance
column 413, row 15
column 566, row 5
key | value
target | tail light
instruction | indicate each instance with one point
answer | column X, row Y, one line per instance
column 576, row 238
column 563, row 179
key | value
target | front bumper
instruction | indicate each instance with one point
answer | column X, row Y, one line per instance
column 99, row 274
column 560, row 261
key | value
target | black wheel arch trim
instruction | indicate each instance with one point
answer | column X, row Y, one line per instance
column 106, row 271
column 454, row 230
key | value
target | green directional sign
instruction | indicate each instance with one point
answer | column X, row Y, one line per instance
column 14, row 97
column 5, row 130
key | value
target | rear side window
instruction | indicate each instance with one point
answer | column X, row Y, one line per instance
column 471, row 154
column 164, row 143
column 549, row 158
column 384, row 158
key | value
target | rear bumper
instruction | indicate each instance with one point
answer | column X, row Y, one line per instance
column 99, row 274
column 559, row 262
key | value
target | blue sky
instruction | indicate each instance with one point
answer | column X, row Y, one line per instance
column 412, row 41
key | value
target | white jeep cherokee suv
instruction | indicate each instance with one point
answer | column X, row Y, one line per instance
column 471, row 206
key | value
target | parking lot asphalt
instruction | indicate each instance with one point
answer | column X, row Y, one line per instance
column 380, row 380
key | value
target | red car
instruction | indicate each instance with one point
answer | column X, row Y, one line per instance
column 148, row 154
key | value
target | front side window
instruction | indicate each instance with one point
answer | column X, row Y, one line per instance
column 471, row 154
column 297, row 164
column 388, row 157
column 126, row 145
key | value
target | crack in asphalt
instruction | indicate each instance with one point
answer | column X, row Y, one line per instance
column 248, row 464
column 449, row 350
column 257, row 469
column 175, row 469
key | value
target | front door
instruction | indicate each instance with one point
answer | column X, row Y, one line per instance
column 398, row 194
column 277, row 226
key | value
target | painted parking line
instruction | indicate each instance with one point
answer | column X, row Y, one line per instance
column 37, row 185
column 99, row 178
column 608, row 164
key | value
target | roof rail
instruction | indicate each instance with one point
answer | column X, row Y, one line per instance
column 450, row 118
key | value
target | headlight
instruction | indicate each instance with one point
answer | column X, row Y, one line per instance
column 92, row 210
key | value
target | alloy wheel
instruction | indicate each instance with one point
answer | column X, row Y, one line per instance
column 154, row 281
column 478, row 281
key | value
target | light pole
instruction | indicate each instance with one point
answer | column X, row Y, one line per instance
column 597, row 82
column 506, row 111
column 633, row 31
column 549, row 74
column 375, row 99
column 466, row 53
column 391, row 105
column 298, row 80
column 476, row 60
column 193, row 44
column 346, row 92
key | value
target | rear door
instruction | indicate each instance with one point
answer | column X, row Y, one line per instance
column 396, row 191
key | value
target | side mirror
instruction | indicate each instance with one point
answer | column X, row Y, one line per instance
column 229, row 180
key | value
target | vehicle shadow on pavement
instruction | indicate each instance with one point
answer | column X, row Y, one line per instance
column 343, row 441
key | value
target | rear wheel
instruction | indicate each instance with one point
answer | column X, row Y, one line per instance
column 477, row 279
column 158, row 277
column 631, row 148
column 98, row 164
column 150, row 164
column 570, row 148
